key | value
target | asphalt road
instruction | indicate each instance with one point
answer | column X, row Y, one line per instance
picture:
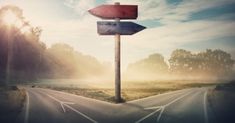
column 184, row 106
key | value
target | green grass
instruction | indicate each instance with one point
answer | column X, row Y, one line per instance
column 130, row 90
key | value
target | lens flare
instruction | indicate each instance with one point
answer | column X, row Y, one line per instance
column 10, row 18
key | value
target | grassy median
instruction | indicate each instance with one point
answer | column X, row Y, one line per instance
column 130, row 90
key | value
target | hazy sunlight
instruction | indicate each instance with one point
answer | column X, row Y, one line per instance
column 10, row 18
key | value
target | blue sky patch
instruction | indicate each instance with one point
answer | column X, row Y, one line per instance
column 174, row 2
column 211, row 13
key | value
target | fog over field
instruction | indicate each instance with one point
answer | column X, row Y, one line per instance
column 24, row 57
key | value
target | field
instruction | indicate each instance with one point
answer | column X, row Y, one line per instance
column 130, row 90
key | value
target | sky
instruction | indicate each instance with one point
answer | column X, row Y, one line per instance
column 194, row 25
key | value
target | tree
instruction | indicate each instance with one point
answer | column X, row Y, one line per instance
column 210, row 63
column 216, row 62
column 152, row 67
column 20, row 46
column 63, row 61
column 181, row 61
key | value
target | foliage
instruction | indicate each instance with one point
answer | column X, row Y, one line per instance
column 183, row 64
column 65, row 62
column 23, row 57
column 19, row 52
column 208, row 63
column 151, row 67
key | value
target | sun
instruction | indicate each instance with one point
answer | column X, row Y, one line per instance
column 10, row 18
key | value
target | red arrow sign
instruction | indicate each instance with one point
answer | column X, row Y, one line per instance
column 115, row 11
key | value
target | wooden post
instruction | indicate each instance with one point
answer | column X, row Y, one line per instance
column 117, row 28
column 117, row 64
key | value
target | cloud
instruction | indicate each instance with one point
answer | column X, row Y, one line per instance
column 81, row 32
column 168, row 13
column 177, row 34
column 80, row 6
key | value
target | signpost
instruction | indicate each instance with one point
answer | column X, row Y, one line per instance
column 117, row 28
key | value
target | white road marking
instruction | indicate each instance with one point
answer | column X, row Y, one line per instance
column 176, row 99
column 205, row 107
column 155, row 107
column 63, row 104
column 159, row 116
column 26, row 116
column 140, row 120
column 162, row 108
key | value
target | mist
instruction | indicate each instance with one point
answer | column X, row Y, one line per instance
column 25, row 58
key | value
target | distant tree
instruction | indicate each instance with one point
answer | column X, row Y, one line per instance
column 64, row 62
column 217, row 62
column 181, row 61
column 24, row 57
column 153, row 66
column 211, row 63
column 20, row 52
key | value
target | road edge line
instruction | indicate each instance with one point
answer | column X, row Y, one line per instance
column 26, row 116
column 205, row 107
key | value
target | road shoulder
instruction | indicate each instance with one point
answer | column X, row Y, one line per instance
column 12, row 101
column 221, row 100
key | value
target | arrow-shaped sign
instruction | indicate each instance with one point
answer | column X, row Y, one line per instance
column 115, row 11
column 122, row 28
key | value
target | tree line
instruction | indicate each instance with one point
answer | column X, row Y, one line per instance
column 23, row 56
column 207, row 64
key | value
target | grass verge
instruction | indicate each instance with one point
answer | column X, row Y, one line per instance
column 11, row 103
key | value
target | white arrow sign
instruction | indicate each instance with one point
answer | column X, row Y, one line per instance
column 160, row 108
column 65, row 104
